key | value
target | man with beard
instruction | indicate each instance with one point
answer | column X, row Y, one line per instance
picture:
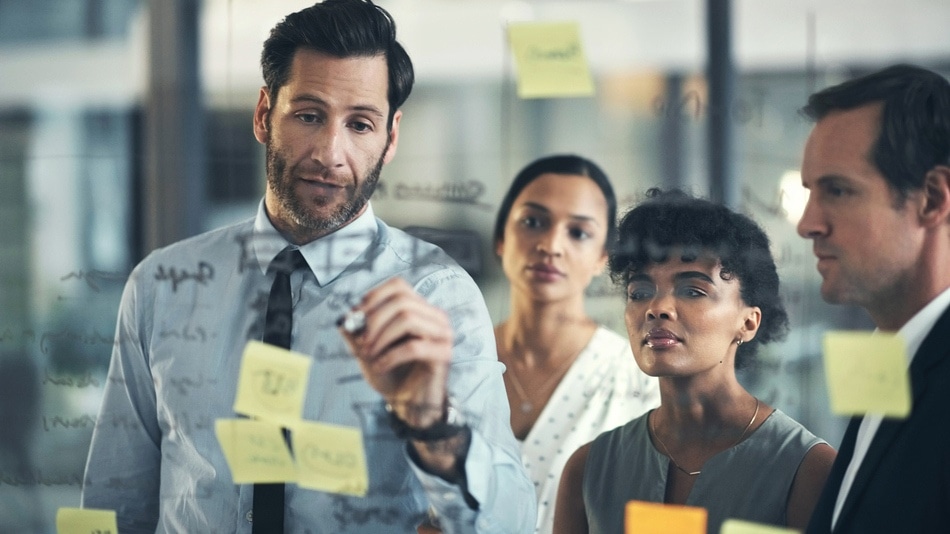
column 400, row 341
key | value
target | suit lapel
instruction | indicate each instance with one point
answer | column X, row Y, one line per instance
column 820, row 522
column 932, row 351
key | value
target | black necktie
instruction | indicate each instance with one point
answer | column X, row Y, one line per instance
column 268, row 515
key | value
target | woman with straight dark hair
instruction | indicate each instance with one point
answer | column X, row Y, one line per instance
column 568, row 378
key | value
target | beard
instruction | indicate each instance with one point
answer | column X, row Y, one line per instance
column 300, row 210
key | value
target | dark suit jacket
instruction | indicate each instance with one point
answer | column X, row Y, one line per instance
column 903, row 484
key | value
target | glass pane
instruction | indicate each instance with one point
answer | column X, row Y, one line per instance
column 71, row 165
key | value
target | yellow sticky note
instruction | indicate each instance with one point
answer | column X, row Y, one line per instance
column 330, row 458
column 656, row 518
column 272, row 383
column 867, row 373
column 549, row 60
column 255, row 451
column 85, row 521
column 737, row 526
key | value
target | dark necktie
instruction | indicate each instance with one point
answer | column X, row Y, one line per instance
column 268, row 515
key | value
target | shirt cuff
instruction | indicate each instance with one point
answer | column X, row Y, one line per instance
column 448, row 499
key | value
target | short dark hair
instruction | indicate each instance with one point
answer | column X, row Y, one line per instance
column 669, row 220
column 567, row 164
column 914, row 134
column 340, row 28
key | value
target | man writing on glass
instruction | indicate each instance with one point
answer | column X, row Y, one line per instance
column 414, row 367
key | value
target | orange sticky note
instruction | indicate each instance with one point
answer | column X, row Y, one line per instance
column 867, row 373
column 549, row 60
column 255, row 451
column 272, row 383
column 737, row 526
column 657, row 518
column 85, row 521
column 330, row 458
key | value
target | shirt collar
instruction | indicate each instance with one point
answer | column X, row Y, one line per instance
column 326, row 256
column 917, row 328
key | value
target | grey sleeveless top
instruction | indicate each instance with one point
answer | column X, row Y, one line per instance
column 750, row 481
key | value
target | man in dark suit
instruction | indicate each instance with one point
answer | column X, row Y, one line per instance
column 877, row 165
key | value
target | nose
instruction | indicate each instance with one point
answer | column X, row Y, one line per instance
column 328, row 146
column 811, row 224
column 550, row 243
column 662, row 307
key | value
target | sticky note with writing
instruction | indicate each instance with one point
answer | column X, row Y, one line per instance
column 549, row 60
column 736, row 526
column 657, row 518
column 330, row 458
column 867, row 373
column 255, row 451
column 85, row 521
column 272, row 383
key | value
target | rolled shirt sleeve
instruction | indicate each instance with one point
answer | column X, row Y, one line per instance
column 495, row 475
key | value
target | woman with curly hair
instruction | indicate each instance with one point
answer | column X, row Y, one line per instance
column 702, row 295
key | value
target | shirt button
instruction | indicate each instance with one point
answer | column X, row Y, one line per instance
column 249, row 516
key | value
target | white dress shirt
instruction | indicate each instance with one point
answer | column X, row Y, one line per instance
column 913, row 333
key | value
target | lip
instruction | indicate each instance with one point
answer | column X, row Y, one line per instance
column 821, row 253
column 545, row 268
column 660, row 338
column 823, row 261
column 314, row 182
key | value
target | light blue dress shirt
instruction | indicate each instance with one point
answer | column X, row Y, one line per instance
column 186, row 314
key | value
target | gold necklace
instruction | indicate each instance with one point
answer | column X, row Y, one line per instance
column 526, row 405
column 667, row 450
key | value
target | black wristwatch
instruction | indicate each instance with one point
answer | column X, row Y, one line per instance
column 452, row 424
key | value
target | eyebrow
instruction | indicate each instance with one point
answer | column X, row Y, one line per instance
column 366, row 108
column 831, row 178
column 686, row 275
column 540, row 207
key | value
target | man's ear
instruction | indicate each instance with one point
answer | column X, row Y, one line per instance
column 262, row 117
column 393, row 138
column 935, row 207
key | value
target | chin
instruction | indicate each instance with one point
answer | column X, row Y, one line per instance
column 544, row 292
column 833, row 295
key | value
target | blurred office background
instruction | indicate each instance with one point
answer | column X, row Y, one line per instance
column 126, row 124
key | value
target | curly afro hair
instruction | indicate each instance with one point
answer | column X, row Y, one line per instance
column 669, row 220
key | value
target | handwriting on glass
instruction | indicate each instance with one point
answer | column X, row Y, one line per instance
column 201, row 275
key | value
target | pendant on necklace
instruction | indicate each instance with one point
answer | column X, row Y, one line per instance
column 526, row 407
